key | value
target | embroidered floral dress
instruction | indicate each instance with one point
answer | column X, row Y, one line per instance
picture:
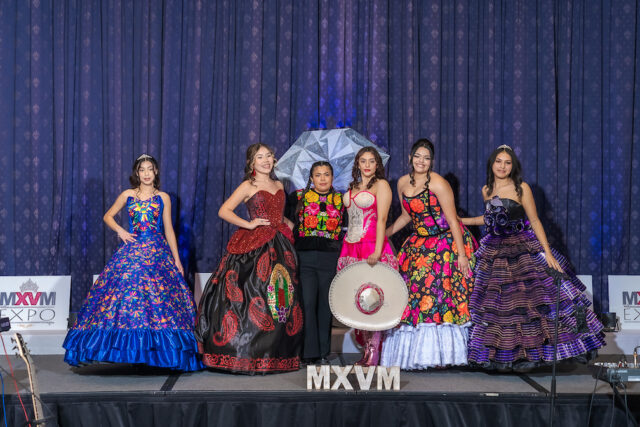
column 140, row 309
column 249, row 318
column 434, row 326
column 513, row 302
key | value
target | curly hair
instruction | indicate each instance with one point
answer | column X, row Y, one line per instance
column 355, row 172
column 252, row 150
column 134, row 179
column 421, row 143
column 516, row 169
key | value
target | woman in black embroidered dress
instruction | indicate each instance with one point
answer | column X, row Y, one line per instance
column 249, row 317
column 317, row 213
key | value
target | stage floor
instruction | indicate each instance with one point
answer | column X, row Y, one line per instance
column 65, row 389
column 55, row 376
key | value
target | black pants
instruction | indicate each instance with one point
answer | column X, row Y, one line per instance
column 316, row 273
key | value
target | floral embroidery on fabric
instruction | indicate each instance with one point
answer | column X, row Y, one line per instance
column 294, row 325
column 263, row 267
column 229, row 328
column 321, row 214
column 258, row 315
column 232, row 290
column 290, row 259
column 144, row 214
column 438, row 292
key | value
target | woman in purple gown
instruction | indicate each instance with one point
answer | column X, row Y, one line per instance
column 513, row 301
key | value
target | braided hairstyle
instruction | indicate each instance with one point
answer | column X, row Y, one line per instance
column 317, row 164
column 421, row 143
column 355, row 172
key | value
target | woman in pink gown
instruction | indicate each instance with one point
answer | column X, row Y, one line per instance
column 367, row 201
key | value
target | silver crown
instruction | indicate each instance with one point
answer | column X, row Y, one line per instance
column 144, row 156
column 29, row 285
column 505, row 146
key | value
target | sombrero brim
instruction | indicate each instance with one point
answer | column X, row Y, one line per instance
column 345, row 286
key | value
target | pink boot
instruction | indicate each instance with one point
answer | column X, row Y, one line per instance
column 372, row 343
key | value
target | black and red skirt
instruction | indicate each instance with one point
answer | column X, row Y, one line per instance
column 249, row 318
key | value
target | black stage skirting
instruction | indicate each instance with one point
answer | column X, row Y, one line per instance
column 279, row 409
column 117, row 395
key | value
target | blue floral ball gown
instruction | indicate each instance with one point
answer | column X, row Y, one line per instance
column 140, row 310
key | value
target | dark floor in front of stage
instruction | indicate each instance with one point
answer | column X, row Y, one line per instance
column 55, row 376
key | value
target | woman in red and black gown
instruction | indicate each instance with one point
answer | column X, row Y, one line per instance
column 249, row 318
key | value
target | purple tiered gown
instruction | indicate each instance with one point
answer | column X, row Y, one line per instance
column 513, row 302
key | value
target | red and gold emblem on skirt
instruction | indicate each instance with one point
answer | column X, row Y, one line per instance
column 280, row 293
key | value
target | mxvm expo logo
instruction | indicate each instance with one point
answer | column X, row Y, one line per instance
column 631, row 306
column 28, row 306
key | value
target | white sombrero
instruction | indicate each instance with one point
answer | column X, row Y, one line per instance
column 368, row 298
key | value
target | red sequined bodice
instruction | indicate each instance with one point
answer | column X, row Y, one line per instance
column 261, row 205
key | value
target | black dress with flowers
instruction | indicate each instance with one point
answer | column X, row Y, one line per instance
column 249, row 319
column 434, row 326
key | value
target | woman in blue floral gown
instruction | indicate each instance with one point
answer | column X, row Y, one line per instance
column 140, row 309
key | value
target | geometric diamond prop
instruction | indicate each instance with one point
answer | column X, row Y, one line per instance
column 337, row 146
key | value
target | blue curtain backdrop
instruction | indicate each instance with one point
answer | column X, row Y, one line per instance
column 86, row 86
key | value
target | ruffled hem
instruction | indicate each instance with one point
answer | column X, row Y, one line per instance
column 251, row 365
column 426, row 345
column 166, row 348
column 483, row 355
column 524, row 365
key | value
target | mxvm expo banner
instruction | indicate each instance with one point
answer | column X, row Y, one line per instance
column 35, row 302
column 624, row 300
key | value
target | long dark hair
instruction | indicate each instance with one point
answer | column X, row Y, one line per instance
column 249, row 174
column 421, row 143
column 355, row 172
column 516, row 169
column 134, row 179
column 317, row 164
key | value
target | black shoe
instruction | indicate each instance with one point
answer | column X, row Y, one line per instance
column 309, row 361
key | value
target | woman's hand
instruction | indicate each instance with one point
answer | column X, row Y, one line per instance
column 553, row 262
column 179, row 267
column 463, row 266
column 257, row 222
column 126, row 237
column 373, row 259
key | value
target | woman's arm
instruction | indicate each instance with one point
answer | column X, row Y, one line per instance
column 476, row 220
column 226, row 211
column 108, row 217
column 529, row 205
column 286, row 216
column 443, row 191
column 169, row 234
column 404, row 217
column 383, row 196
